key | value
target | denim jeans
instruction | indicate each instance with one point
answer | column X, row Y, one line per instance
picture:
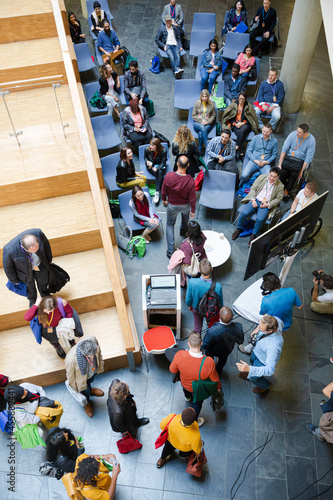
column 87, row 391
column 275, row 114
column 202, row 131
column 198, row 320
column 208, row 77
column 196, row 406
column 172, row 212
column 262, row 382
column 227, row 101
column 173, row 54
column 248, row 211
column 250, row 168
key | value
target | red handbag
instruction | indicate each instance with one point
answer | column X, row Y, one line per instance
column 194, row 464
column 199, row 180
column 162, row 438
column 128, row 443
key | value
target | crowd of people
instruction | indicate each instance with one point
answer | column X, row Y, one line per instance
column 27, row 257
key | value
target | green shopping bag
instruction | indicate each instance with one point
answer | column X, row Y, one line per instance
column 139, row 244
column 28, row 436
column 203, row 389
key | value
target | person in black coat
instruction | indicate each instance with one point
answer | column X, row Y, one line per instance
column 62, row 448
column 266, row 18
column 220, row 339
column 25, row 259
column 184, row 145
column 155, row 159
column 122, row 408
column 75, row 29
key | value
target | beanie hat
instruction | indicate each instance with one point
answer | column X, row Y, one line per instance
column 96, row 4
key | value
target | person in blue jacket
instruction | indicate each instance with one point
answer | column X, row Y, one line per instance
column 211, row 65
column 270, row 98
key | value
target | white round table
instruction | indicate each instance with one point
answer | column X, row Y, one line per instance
column 217, row 248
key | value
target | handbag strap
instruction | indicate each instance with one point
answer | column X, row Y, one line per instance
column 167, row 425
column 202, row 362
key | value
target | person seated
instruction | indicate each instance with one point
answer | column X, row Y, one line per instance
column 109, row 85
column 169, row 39
column 155, row 160
column 75, row 29
column 108, row 44
column 126, row 174
column 135, row 124
column 122, row 409
column 62, row 449
column 265, row 196
column 241, row 119
column 266, row 19
column 324, row 431
column 262, row 151
column 184, row 145
column 303, row 198
column 27, row 402
column 235, row 16
column 222, row 154
column 143, row 212
column 297, row 153
column 194, row 244
column 97, row 18
column 48, row 314
column 270, row 98
column 92, row 477
column 175, row 11
column 135, row 86
column 265, row 355
column 204, row 116
column 323, row 304
column 234, row 84
column 221, row 338
column 4, row 381
column 211, row 65
column 247, row 64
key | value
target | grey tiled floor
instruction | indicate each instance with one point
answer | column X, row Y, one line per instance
column 292, row 459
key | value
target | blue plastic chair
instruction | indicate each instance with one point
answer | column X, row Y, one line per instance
column 126, row 211
column 99, row 55
column 186, row 93
column 83, row 56
column 204, row 21
column 197, row 71
column 104, row 6
column 200, row 39
column 142, row 165
column 105, row 133
column 164, row 55
column 255, row 82
column 272, row 37
column 234, row 44
column 190, row 124
column 218, row 190
column 90, row 89
column 109, row 167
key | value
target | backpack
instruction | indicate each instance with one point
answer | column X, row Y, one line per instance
column 137, row 244
column 97, row 101
column 209, row 304
column 156, row 65
column 50, row 470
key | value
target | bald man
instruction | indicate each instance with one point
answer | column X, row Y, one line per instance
column 221, row 338
column 25, row 258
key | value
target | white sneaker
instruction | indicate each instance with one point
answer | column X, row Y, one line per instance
column 156, row 197
column 200, row 421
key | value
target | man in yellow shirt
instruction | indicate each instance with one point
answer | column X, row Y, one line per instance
column 183, row 434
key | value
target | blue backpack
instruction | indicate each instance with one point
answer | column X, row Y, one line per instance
column 156, row 65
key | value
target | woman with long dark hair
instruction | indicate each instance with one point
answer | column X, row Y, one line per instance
column 135, row 123
column 109, row 85
column 246, row 62
column 75, row 29
column 211, row 65
column 93, row 478
column 155, row 160
column 235, row 16
column 194, row 244
column 143, row 212
column 62, row 448
column 126, row 174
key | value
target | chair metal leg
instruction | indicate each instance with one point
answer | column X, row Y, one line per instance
column 161, row 227
column 144, row 355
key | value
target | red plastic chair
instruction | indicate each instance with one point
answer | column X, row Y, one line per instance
column 158, row 339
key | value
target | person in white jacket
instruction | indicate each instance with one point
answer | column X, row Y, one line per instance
column 23, row 401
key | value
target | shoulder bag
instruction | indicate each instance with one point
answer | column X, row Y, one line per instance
column 162, row 438
column 123, row 240
column 203, row 389
column 195, row 464
column 36, row 328
column 128, row 443
column 193, row 268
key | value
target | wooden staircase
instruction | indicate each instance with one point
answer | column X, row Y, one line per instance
column 53, row 181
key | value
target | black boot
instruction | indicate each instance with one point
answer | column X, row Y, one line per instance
column 142, row 421
column 61, row 353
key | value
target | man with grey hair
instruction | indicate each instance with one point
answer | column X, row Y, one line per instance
column 25, row 259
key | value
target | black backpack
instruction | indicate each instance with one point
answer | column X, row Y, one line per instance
column 209, row 304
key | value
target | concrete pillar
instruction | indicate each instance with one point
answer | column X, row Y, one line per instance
column 302, row 39
column 84, row 9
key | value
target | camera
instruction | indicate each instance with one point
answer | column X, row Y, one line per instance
column 253, row 339
column 318, row 274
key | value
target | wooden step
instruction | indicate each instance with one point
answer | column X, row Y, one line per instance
column 69, row 222
column 31, row 58
column 88, row 290
column 41, row 365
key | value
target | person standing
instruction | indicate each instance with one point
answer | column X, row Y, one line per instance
column 178, row 195
column 25, row 259
column 183, row 434
column 82, row 363
column 176, row 13
column 188, row 364
column 183, row 144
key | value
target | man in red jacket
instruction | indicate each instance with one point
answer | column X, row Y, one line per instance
column 188, row 363
column 178, row 195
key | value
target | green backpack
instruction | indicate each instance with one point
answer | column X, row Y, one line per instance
column 202, row 389
column 97, row 101
column 139, row 244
